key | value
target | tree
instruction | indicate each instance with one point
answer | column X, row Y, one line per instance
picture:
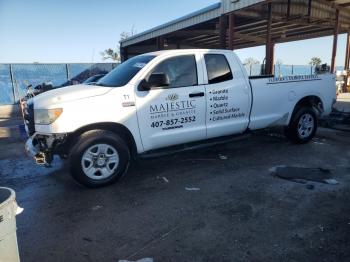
column 279, row 63
column 250, row 62
column 110, row 54
column 124, row 35
column 315, row 61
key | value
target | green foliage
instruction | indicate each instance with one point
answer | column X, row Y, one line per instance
column 315, row 61
column 110, row 54
column 250, row 61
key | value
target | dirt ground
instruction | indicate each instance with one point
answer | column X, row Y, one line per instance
column 221, row 203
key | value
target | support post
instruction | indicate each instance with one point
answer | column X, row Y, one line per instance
column 13, row 84
column 222, row 28
column 347, row 52
column 309, row 10
column 231, row 30
column 269, row 44
column 272, row 58
column 160, row 43
column 347, row 60
column 335, row 41
column 67, row 72
column 288, row 8
column 123, row 54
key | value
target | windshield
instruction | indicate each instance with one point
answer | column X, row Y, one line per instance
column 125, row 71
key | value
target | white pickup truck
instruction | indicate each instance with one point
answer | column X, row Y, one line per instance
column 167, row 98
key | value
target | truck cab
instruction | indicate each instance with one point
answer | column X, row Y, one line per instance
column 162, row 99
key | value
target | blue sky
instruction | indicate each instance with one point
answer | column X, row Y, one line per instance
column 59, row 31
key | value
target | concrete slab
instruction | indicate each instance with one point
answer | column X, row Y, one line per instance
column 10, row 112
column 239, row 212
column 10, row 121
column 343, row 103
column 344, row 96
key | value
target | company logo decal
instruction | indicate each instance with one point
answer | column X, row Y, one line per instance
column 173, row 97
column 296, row 78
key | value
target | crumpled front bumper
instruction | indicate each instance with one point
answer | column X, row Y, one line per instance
column 42, row 147
column 31, row 150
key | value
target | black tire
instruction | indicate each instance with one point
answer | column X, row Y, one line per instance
column 292, row 130
column 89, row 140
column 63, row 157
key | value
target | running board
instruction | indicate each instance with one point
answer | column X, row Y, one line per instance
column 191, row 146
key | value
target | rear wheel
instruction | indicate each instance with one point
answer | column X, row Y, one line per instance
column 303, row 126
column 99, row 158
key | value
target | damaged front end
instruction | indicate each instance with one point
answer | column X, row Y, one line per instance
column 43, row 147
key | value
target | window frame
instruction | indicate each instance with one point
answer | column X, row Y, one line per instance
column 207, row 71
column 171, row 57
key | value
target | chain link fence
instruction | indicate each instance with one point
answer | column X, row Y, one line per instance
column 282, row 70
column 15, row 78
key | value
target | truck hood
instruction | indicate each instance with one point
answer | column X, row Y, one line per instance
column 67, row 94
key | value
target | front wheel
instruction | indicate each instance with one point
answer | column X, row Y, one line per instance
column 99, row 158
column 303, row 126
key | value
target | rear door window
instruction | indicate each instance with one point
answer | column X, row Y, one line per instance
column 218, row 68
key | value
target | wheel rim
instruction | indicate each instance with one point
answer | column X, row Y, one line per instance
column 306, row 125
column 100, row 161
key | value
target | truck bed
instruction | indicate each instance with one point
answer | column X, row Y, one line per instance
column 274, row 98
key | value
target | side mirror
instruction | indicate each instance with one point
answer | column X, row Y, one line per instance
column 158, row 80
column 154, row 80
column 144, row 86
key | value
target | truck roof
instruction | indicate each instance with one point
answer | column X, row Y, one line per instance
column 182, row 51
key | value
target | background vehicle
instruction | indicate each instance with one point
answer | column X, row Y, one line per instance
column 36, row 90
column 164, row 99
column 93, row 79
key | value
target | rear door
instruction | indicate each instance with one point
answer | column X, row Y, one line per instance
column 174, row 114
column 228, row 95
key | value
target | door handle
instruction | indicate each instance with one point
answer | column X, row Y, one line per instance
column 196, row 94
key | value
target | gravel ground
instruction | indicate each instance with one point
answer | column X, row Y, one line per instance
column 221, row 203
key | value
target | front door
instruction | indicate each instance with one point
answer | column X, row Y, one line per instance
column 176, row 113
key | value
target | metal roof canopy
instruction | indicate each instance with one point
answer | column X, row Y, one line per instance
column 235, row 24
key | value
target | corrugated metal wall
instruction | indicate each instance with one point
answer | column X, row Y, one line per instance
column 203, row 15
column 232, row 5
column 320, row 11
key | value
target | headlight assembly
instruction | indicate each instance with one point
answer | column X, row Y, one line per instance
column 46, row 116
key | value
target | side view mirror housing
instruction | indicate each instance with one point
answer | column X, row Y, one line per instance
column 154, row 80
column 144, row 86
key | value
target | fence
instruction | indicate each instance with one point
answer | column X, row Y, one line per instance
column 14, row 78
column 285, row 70
column 282, row 70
